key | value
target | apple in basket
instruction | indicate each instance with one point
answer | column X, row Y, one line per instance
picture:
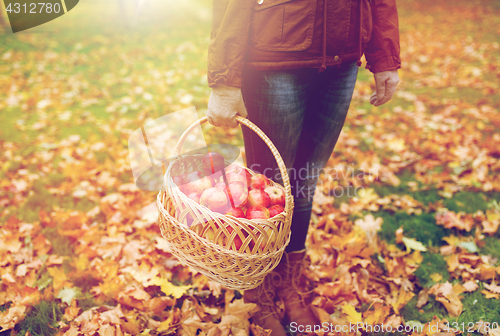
column 214, row 199
column 236, row 173
column 257, row 212
column 276, row 194
column 196, row 183
column 258, row 197
column 235, row 212
column 238, row 192
column 275, row 210
column 195, row 197
column 212, row 162
column 221, row 186
column 259, row 181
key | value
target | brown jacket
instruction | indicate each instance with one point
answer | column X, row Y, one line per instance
column 290, row 34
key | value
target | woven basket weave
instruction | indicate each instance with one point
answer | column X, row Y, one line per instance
column 263, row 240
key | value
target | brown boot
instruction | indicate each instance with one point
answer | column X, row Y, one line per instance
column 294, row 293
column 270, row 315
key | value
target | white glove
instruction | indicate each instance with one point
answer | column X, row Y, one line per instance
column 224, row 104
column 385, row 83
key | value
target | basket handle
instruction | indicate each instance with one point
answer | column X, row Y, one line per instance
column 258, row 131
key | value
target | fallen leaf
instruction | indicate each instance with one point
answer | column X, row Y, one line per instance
column 492, row 287
column 444, row 293
column 169, row 289
column 411, row 243
column 352, row 315
column 470, row 286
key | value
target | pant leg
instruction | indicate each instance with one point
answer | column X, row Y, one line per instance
column 276, row 102
column 302, row 112
column 327, row 105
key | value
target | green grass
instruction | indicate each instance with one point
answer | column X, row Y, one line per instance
column 431, row 264
column 423, row 228
column 5, row 306
column 475, row 308
column 40, row 198
column 467, row 201
column 491, row 247
column 60, row 245
column 425, row 314
column 41, row 320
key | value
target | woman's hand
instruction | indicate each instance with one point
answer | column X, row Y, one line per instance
column 385, row 83
column 224, row 104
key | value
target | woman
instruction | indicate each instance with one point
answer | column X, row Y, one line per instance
column 290, row 66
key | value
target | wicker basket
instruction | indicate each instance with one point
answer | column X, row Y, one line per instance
column 263, row 241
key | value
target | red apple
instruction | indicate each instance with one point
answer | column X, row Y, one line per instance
column 235, row 212
column 258, row 197
column 214, row 199
column 195, row 197
column 234, row 168
column 259, row 181
column 232, row 177
column 199, row 185
column 275, row 209
column 238, row 192
column 212, row 162
column 257, row 212
column 221, row 186
column 237, row 173
column 276, row 194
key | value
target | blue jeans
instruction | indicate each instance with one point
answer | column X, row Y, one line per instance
column 302, row 111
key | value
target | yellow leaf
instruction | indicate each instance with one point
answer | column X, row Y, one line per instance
column 377, row 314
column 490, row 295
column 59, row 277
column 403, row 298
column 368, row 195
column 413, row 244
column 352, row 315
column 492, row 215
column 165, row 325
column 414, row 259
column 452, row 240
column 169, row 289
column 396, row 145
column 82, row 262
column 436, row 277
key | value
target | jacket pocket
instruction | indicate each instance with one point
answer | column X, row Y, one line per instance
column 282, row 25
column 366, row 21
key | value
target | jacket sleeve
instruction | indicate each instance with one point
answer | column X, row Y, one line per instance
column 228, row 41
column 382, row 51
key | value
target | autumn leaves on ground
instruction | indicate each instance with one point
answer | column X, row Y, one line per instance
column 405, row 223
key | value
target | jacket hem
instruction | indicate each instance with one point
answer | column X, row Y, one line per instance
column 296, row 64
